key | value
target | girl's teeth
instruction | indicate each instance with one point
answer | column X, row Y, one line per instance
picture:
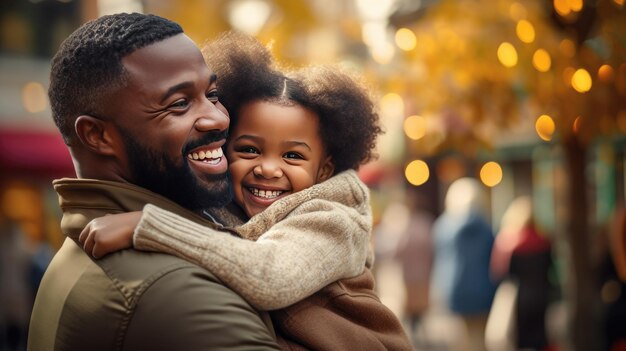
column 268, row 194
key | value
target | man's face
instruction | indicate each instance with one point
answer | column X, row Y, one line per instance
column 172, row 124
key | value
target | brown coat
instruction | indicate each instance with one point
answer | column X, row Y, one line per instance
column 345, row 315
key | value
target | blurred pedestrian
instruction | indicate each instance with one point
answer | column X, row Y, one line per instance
column 16, row 297
column 415, row 254
column 463, row 243
column 523, row 256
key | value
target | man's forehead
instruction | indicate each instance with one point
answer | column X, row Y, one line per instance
column 176, row 47
column 166, row 63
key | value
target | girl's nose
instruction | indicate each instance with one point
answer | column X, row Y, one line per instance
column 267, row 170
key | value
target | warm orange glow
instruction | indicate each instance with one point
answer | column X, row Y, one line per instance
column 606, row 73
column 491, row 174
column 417, row 172
column 581, row 80
column 517, row 11
column 525, row 31
column 565, row 7
column 542, row 60
column 405, row 39
column 619, row 3
column 575, row 5
column 562, row 7
column 576, row 125
column 450, row 169
column 568, row 73
column 545, row 127
column 415, row 127
column 507, row 54
column 567, row 47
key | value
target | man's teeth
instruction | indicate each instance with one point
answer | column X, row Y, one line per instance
column 209, row 155
column 268, row 194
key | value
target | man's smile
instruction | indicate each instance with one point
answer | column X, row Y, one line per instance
column 212, row 156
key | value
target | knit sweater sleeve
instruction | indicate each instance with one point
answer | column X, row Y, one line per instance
column 319, row 242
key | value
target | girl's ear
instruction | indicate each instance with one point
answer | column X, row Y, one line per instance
column 95, row 135
column 326, row 170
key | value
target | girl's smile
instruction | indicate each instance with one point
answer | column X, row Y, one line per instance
column 275, row 150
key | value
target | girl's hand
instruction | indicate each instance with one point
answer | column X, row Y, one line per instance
column 110, row 233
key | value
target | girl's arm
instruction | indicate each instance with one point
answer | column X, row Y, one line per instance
column 110, row 233
column 318, row 243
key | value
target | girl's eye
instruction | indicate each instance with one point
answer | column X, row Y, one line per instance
column 293, row 155
column 179, row 104
column 213, row 96
column 247, row 150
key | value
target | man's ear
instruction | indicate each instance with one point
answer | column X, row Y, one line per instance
column 326, row 170
column 95, row 135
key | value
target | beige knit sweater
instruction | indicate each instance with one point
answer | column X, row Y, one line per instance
column 295, row 247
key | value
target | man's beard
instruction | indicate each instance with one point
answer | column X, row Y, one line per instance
column 157, row 173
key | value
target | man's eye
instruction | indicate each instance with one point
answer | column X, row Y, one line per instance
column 293, row 155
column 182, row 103
column 212, row 96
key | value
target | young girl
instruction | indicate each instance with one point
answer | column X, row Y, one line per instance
column 296, row 141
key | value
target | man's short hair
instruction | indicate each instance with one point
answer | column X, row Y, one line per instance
column 88, row 64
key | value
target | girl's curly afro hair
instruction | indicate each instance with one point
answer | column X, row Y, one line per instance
column 349, row 124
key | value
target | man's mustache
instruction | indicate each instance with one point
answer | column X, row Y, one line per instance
column 207, row 138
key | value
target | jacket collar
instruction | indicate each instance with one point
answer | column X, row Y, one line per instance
column 82, row 200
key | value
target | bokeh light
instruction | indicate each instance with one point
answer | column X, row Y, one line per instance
column 417, row 172
column 34, row 97
column 575, row 5
column 562, row 7
column 525, row 31
column 581, row 80
column 517, row 11
column 566, row 7
column 383, row 53
column 405, row 39
column 507, row 55
column 392, row 104
column 415, row 127
column 491, row 174
column 541, row 60
column 606, row 73
column 545, row 127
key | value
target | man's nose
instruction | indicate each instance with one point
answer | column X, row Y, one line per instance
column 268, row 170
column 211, row 118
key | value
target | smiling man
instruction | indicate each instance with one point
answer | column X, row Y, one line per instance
column 138, row 109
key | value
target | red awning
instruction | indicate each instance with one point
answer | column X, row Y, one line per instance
column 39, row 152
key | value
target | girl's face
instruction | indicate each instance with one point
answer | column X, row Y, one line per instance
column 275, row 150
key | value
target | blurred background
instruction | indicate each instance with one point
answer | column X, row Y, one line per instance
column 498, row 193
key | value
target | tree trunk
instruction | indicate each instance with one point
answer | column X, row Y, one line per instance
column 580, row 284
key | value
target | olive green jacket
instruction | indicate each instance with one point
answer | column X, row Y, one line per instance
column 133, row 300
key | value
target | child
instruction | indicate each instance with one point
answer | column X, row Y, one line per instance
column 295, row 142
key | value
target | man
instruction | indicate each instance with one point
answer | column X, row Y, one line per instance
column 133, row 99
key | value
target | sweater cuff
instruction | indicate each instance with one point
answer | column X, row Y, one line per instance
column 163, row 231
